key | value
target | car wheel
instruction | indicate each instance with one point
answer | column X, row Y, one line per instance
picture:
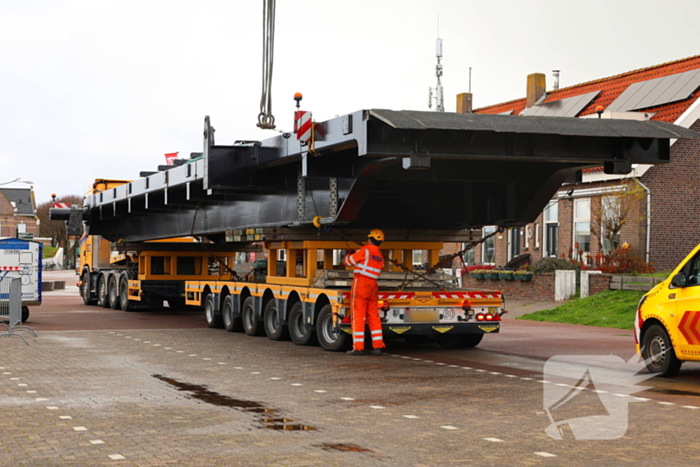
column 300, row 332
column 658, row 353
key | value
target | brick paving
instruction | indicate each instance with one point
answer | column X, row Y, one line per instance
column 414, row 411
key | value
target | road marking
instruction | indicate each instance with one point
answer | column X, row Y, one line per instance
column 156, row 345
column 79, row 428
column 621, row 395
column 526, row 379
column 127, row 337
column 146, row 342
column 237, row 367
column 453, row 366
column 600, row 391
column 690, row 407
column 22, row 384
column 206, row 358
column 404, row 356
column 14, row 379
column 6, row 373
column 52, row 408
column 180, row 351
column 137, row 339
column 347, row 399
column 667, row 403
column 193, row 355
column 410, row 416
column 319, row 390
column 480, row 370
column 41, row 399
column 66, row 417
column 221, row 363
column 297, row 384
column 120, row 334
column 255, row 373
column 449, row 427
column 563, row 385
column 31, row 392
column 441, row 364
column 428, row 361
column 466, row 368
column 96, row 441
column 493, row 440
column 641, row 399
column 543, row 381
column 168, row 348
column 116, row 457
column 378, row 407
column 494, row 373
column 276, row 379
column 510, row 376
column 546, row 454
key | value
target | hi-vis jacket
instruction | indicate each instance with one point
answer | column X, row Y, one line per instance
column 367, row 261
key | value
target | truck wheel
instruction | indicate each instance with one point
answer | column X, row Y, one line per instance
column 124, row 302
column 102, row 297
column 658, row 352
column 274, row 329
column 213, row 319
column 251, row 325
column 231, row 324
column 85, row 289
column 113, row 293
column 25, row 314
column 331, row 340
column 300, row 332
column 458, row 341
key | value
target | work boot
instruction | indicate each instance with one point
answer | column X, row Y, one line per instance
column 355, row 352
column 377, row 352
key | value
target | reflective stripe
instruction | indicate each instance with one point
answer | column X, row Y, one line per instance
column 378, row 331
column 377, row 338
column 360, row 272
column 358, row 340
column 358, row 333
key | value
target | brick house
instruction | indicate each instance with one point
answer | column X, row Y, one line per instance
column 661, row 202
column 18, row 212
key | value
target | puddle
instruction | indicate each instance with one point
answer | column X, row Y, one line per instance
column 344, row 447
column 214, row 398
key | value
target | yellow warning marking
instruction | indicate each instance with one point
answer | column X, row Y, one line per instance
column 443, row 329
column 399, row 330
column 488, row 327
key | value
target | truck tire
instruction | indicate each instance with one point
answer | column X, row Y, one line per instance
column 113, row 292
column 102, row 297
column 459, row 341
column 300, row 332
column 251, row 325
column 213, row 318
column 25, row 314
column 231, row 324
column 124, row 302
column 658, row 352
column 330, row 339
column 274, row 329
column 85, row 287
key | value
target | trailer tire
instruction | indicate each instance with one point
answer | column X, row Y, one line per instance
column 459, row 341
column 124, row 302
column 657, row 351
column 213, row 318
column 274, row 328
column 85, row 287
column 333, row 341
column 300, row 332
column 25, row 314
column 102, row 297
column 251, row 325
column 231, row 324
column 113, row 292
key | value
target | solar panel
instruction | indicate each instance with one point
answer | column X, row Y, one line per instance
column 657, row 91
column 569, row 107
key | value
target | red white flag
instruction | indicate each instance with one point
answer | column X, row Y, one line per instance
column 170, row 158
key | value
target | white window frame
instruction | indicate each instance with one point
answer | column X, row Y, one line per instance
column 579, row 218
column 546, row 222
column 492, row 228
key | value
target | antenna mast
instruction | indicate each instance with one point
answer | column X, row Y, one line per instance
column 439, row 101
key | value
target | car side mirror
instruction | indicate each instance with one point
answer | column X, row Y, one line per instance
column 679, row 280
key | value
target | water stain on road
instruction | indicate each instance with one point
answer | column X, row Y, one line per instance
column 214, row 398
column 344, row 447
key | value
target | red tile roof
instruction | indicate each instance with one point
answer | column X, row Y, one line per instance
column 610, row 88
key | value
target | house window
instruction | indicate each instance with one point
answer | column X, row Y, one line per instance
column 514, row 240
column 551, row 228
column 488, row 252
column 582, row 226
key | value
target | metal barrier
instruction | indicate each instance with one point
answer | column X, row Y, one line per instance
column 11, row 308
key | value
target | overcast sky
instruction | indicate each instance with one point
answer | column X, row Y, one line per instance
column 103, row 89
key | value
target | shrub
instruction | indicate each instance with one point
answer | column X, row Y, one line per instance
column 549, row 265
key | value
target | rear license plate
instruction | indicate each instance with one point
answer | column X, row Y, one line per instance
column 429, row 315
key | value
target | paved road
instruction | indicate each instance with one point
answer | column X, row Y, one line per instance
column 156, row 389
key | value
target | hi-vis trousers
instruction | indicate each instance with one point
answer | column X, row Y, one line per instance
column 365, row 308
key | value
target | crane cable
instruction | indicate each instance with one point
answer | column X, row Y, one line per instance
column 266, row 120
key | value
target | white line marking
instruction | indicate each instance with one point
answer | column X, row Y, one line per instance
column 449, row 427
column 376, row 407
column 168, row 348
column 526, row 379
column 156, row 345
column 641, row 399
column 180, row 351
column 206, row 358
column 563, row 385
column 545, row 454
column 237, row 367
column 221, row 363
column 479, row 370
column 127, row 337
column 510, row 376
column 6, row 373
column 41, row 399
column 347, row 399
column 66, row 417
column 255, row 373
column 410, row 416
column 52, row 408
column 428, row 361
column 276, row 379
column 621, row 395
column 22, row 384
column 543, row 381
column 116, row 457
column 297, row 384
column 494, row 440
column 96, row 441
column 494, row 373
column 467, row 368
column 31, row 392
column 79, row 428
column 319, row 390
column 667, row 403
column 453, row 366
column 690, row 407
column 14, row 379
column 441, row 364
column 599, row 391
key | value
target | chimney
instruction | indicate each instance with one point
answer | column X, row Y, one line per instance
column 536, row 88
column 464, row 103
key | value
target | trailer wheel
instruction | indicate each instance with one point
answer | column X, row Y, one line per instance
column 658, row 353
column 124, row 302
column 85, row 289
column 330, row 339
column 459, row 341
column 274, row 329
column 102, row 297
column 231, row 324
column 251, row 325
column 213, row 319
column 113, row 293
column 300, row 332
column 25, row 314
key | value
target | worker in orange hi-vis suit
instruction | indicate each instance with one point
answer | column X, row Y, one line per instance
column 368, row 263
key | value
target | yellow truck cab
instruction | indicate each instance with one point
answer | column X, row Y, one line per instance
column 667, row 325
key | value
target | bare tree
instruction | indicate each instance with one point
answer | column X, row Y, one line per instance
column 56, row 230
column 616, row 211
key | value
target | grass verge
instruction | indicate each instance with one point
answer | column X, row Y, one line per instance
column 609, row 309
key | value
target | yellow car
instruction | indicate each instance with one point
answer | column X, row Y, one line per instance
column 667, row 326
